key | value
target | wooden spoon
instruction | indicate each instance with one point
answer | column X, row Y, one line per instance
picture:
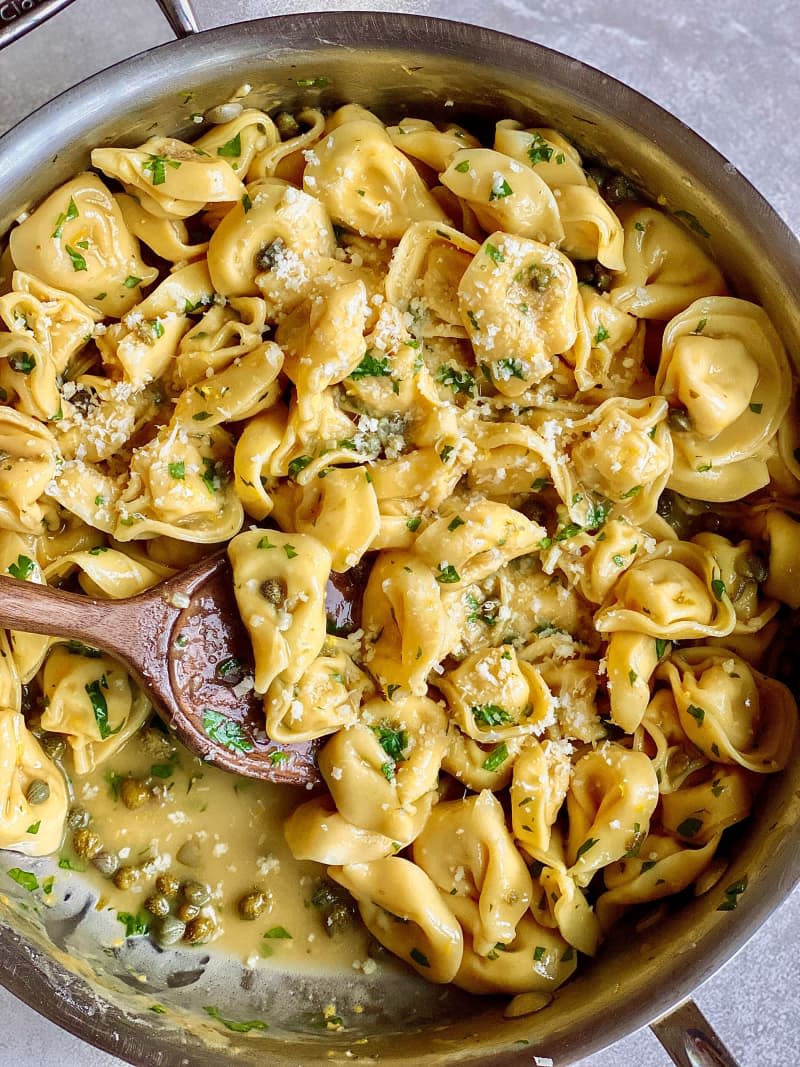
column 184, row 643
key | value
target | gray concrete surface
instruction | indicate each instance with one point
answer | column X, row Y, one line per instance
column 729, row 69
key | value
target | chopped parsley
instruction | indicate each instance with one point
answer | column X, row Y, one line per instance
column 23, row 568
column 278, row 756
column 135, row 925
column 509, row 368
column 539, row 151
column 312, row 83
column 633, row 677
column 414, row 523
column 446, row 453
column 226, row 731
column 278, row 933
column 500, row 189
column 78, row 261
column 177, row 470
column 156, row 166
column 27, row 879
column 265, row 543
column 455, row 523
column 393, row 742
column 448, row 575
column 298, row 465
column 756, row 408
column 460, row 381
column 631, row 492
column 95, row 693
column 370, row 367
column 419, row 957
column 696, row 713
column 22, row 362
column 66, row 216
column 661, row 646
column 494, row 253
column 589, row 843
column 291, row 551
column 491, row 714
column 601, row 335
column 236, row 1027
column 132, row 281
column 162, row 770
column 496, row 757
column 232, row 148
column 247, row 203
column 462, row 167
column 718, row 588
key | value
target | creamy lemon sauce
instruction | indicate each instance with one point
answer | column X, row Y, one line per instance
column 208, row 826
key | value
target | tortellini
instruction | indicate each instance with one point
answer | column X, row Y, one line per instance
column 33, row 793
column 522, row 490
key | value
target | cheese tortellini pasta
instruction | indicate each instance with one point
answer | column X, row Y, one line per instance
column 505, row 401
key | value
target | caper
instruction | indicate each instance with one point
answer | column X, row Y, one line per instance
column 78, row 818
column 168, row 931
column 157, row 905
column 86, row 843
column 287, row 125
column 134, row 793
column 190, row 853
column 196, row 893
column 338, row 919
column 38, row 792
column 53, row 745
column 252, row 904
column 186, row 911
column 167, row 885
column 679, row 419
column 200, row 929
column 274, row 591
column 107, row 863
column 752, row 567
column 126, row 877
column 268, row 256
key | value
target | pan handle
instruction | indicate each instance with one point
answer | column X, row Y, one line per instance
column 689, row 1038
column 18, row 17
column 180, row 16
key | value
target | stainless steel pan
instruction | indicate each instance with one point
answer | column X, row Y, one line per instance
column 398, row 65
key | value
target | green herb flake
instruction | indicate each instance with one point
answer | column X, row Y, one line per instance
column 291, row 551
column 247, row 203
column 618, row 561
column 572, row 529
column 448, row 575
column 696, row 713
column 177, row 470
column 462, row 167
column 718, row 588
column 446, row 453
column 701, row 325
column 156, row 165
column 633, row 677
column 496, row 757
column 601, row 335
column 756, row 408
column 231, row 149
column 509, row 368
column 387, row 770
column 460, row 381
column 313, row 83
column 491, row 715
column 278, row 756
column 539, row 953
column 419, row 957
column 226, row 731
column 78, row 261
column 278, row 933
column 494, row 253
column 66, row 864
column 162, row 770
column 298, row 464
column 132, row 281
column 414, row 523
column 27, row 879
column 95, row 693
column 23, row 568
column 393, row 742
column 589, row 843
column 135, row 925
column 539, row 151
column 631, row 492
column 201, row 416
column 159, row 1009
column 500, row 189
column 639, row 226
column 732, row 894
column 661, row 647
column 34, row 827
column 66, row 216
column 455, row 523
column 236, row 1027
column 717, row 788
column 370, row 367
column 689, row 827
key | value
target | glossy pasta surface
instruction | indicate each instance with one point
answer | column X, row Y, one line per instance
column 518, row 398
